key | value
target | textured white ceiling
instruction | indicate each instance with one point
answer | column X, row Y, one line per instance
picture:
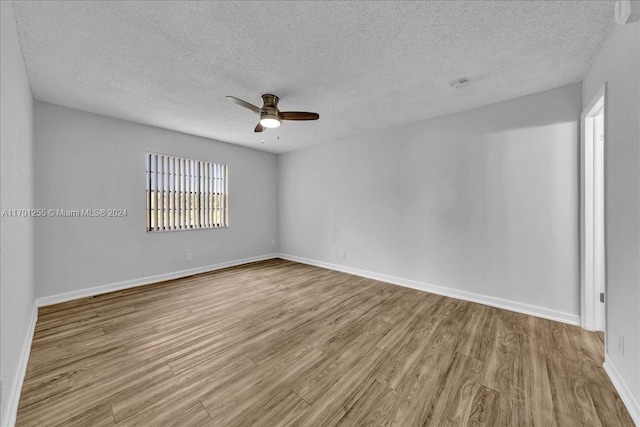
column 360, row 65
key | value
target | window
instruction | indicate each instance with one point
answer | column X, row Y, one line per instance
column 185, row 194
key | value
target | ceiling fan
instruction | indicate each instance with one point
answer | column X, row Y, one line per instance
column 270, row 116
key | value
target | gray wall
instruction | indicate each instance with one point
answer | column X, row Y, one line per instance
column 484, row 201
column 618, row 65
column 16, row 192
column 84, row 160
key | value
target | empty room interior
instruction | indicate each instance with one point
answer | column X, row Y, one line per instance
column 320, row 213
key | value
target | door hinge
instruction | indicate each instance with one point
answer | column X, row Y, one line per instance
column 601, row 296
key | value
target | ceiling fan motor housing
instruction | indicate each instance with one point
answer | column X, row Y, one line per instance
column 269, row 104
column 270, row 100
column 270, row 108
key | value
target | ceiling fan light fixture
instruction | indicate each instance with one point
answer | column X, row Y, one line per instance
column 270, row 116
column 270, row 121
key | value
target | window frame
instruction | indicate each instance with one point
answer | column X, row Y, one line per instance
column 206, row 206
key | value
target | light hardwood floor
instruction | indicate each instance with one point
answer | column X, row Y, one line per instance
column 281, row 343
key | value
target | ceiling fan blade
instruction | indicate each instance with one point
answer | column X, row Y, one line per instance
column 298, row 115
column 245, row 104
column 259, row 128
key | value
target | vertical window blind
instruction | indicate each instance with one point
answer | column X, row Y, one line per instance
column 185, row 194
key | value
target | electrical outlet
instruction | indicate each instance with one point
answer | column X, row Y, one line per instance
column 621, row 345
column 343, row 255
column 273, row 242
column 189, row 257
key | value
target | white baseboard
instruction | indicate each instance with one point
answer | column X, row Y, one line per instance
column 518, row 307
column 90, row 292
column 629, row 399
column 14, row 389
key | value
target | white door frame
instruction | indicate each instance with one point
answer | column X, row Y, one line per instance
column 589, row 301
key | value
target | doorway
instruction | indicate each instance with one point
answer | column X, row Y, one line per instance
column 593, row 254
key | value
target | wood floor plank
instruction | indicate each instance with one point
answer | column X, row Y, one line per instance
column 609, row 407
column 405, row 328
column 555, row 339
column 38, row 390
column 280, row 409
column 572, row 402
column 483, row 411
column 533, row 403
column 459, row 389
column 416, row 397
column 99, row 416
column 321, row 378
column 141, row 359
column 277, row 343
column 76, row 402
column 194, row 382
column 474, row 337
column 233, row 403
column 333, row 404
column 372, row 407
column 413, row 350
column 169, row 412
column 499, row 361
column 74, row 363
